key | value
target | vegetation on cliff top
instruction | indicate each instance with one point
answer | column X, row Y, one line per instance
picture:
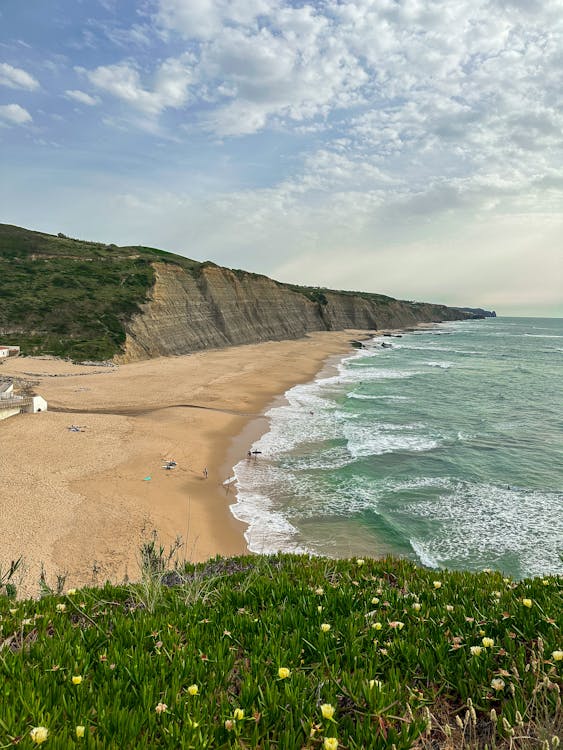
column 73, row 299
column 287, row 652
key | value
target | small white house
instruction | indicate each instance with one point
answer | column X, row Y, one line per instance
column 38, row 404
column 12, row 404
column 9, row 351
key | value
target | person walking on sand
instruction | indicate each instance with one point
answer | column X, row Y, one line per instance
column 205, row 473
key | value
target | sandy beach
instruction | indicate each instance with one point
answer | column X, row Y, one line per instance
column 81, row 503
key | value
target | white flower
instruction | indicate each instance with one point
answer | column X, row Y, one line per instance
column 497, row 684
column 39, row 734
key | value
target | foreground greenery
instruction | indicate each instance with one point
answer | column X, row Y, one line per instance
column 286, row 652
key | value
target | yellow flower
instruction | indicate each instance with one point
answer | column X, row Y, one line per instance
column 238, row 714
column 77, row 679
column 330, row 743
column 417, row 607
column 475, row 650
column 360, row 562
column 527, row 603
column 80, row 731
column 319, row 608
column 497, row 684
column 325, row 627
column 375, row 600
column 71, row 592
column 193, row 690
column 557, row 655
column 376, row 683
column 39, row 734
column 437, row 584
column 545, row 581
column 61, row 607
column 13, row 611
column 283, row 673
column 449, row 608
column 377, row 625
column 320, row 591
column 160, row 708
column 488, row 642
column 327, row 711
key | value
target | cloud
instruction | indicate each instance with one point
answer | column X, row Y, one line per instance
column 82, row 97
column 167, row 87
column 203, row 19
column 13, row 114
column 16, row 78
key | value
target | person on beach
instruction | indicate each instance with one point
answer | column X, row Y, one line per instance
column 205, row 473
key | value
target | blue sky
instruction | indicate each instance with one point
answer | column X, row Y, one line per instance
column 408, row 147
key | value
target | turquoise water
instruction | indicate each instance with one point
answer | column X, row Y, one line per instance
column 444, row 446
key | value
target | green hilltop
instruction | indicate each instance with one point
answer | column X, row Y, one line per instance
column 72, row 298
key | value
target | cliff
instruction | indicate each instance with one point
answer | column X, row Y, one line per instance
column 219, row 308
column 87, row 300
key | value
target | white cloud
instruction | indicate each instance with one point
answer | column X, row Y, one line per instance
column 13, row 114
column 203, row 19
column 16, row 78
column 167, row 87
column 82, row 97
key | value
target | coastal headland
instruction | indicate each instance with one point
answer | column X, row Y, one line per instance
column 81, row 502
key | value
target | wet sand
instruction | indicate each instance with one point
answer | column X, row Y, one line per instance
column 81, row 503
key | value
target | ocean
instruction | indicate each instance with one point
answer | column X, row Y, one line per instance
column 442, row 445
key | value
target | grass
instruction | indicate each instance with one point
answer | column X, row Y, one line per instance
column 71, row 298
column 287, row 652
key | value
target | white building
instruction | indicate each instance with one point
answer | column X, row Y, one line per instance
column 9, row 351
column 11, row 404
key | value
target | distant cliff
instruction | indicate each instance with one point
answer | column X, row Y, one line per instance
column 478, row 312
column 219, row 307
column 88, row 300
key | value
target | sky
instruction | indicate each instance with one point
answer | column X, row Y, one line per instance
column 408, row 147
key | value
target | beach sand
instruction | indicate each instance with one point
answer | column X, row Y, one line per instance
column 79, row 503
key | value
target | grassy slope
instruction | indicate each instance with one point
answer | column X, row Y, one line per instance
column 397, row 653
column 72, row 298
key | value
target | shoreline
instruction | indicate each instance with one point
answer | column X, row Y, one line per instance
column 82, row 503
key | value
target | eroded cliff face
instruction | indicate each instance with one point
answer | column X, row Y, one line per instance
column 217, row 308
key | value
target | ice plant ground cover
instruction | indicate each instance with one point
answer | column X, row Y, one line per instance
column 233, row 653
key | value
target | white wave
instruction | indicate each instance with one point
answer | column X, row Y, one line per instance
column 368, row 397
column 543, row 336
column 268, row 531
column 421, row 551
column 442, row 365
column 375, row 440
column 475, row 523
